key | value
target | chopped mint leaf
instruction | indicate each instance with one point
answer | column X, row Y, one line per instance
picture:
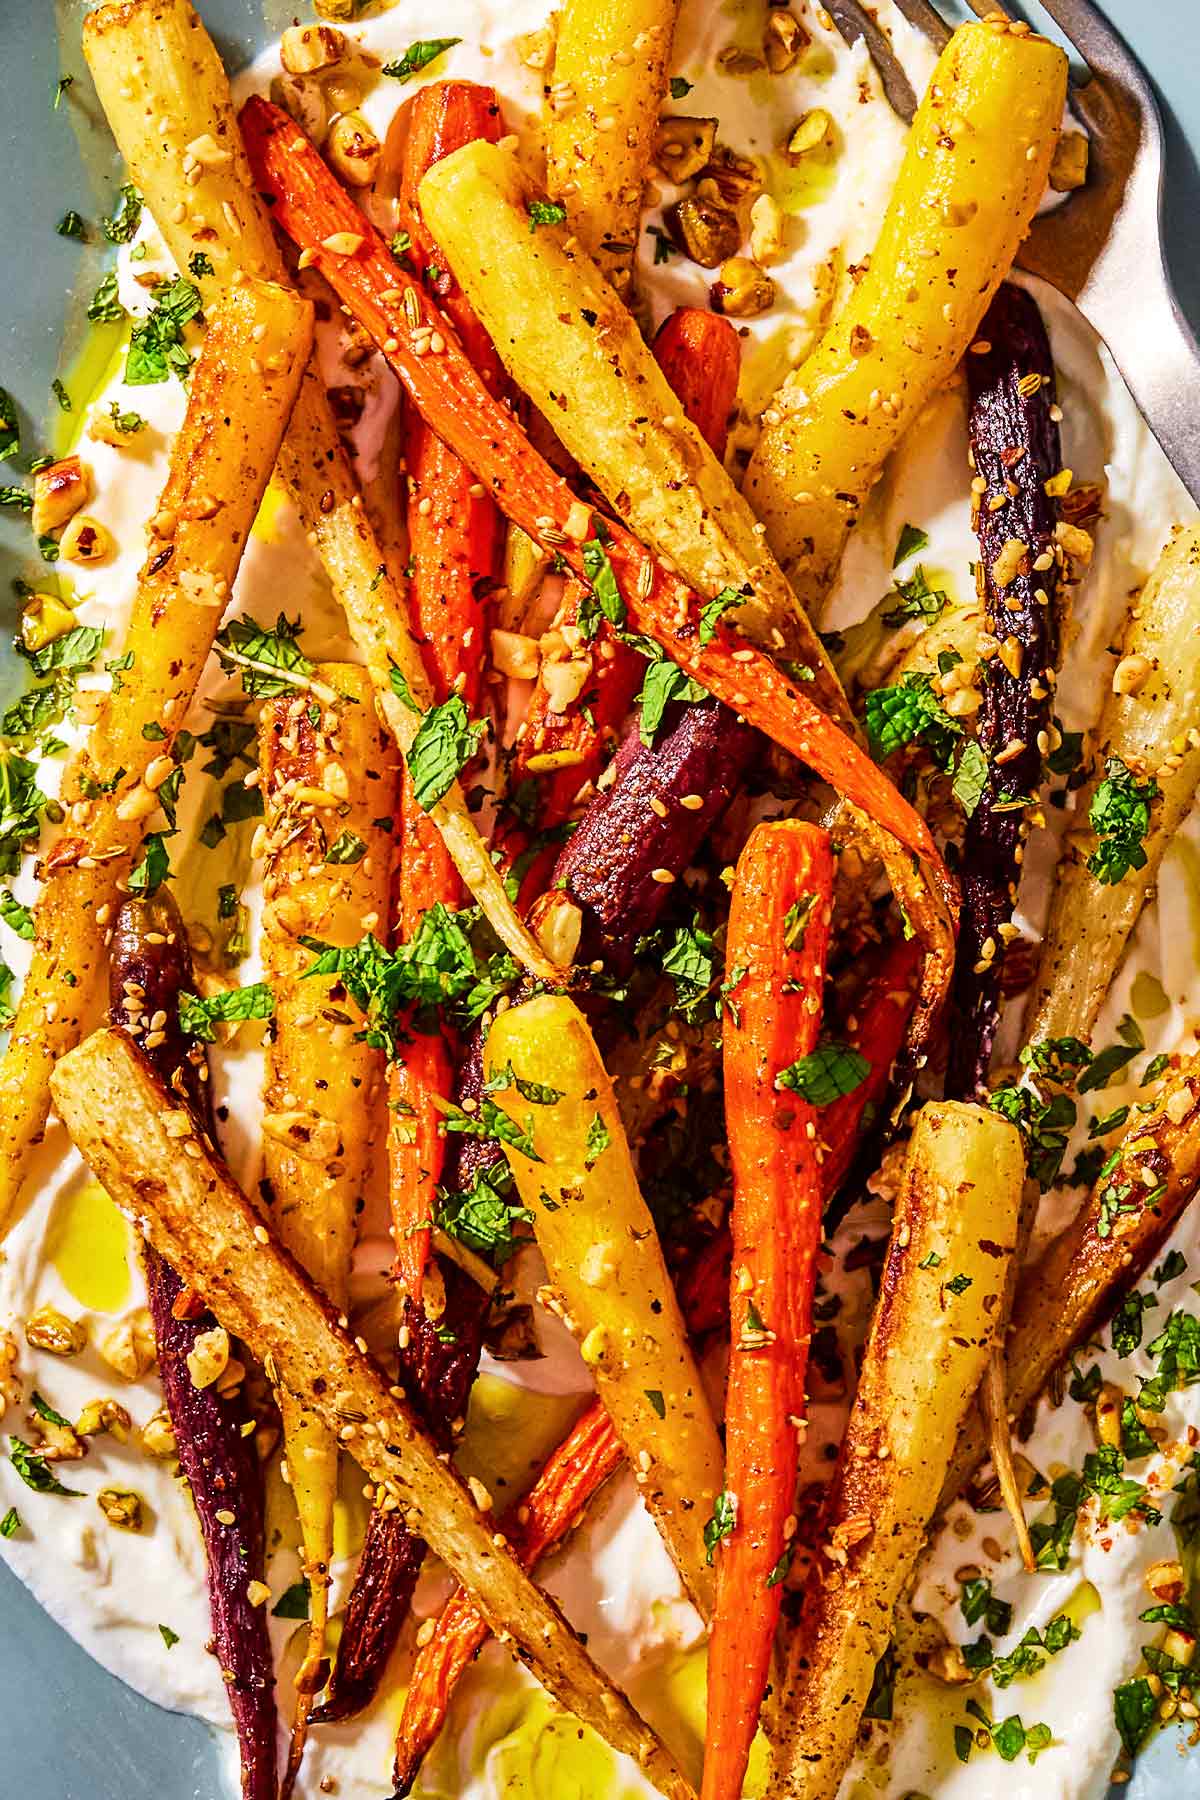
column 198, row 1017
column 825, row 1074
column 418, row 56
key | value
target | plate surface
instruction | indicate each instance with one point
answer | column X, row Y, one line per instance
column 70, row 1731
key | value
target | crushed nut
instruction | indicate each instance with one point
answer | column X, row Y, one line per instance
column 683, row 146
column 1007, row 565
column 85, row 541
column 1069, row 164
column 705, row 231
column 130, row 1348
column 766, row 230
column 742, row 289
column 50, row 1330
column 1131, row 674
column 158, row 1436
column 100, row 1417
column 58, row 493
column 122, row 1508
column 783, row 40
column 208, row 1357
column 810, row 130
column 303, row 49
column 516, row 655
column 353, row 151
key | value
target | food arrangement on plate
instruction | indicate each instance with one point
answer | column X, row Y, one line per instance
column 600, row 860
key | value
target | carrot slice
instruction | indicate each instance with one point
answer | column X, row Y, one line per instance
column 779, row 934
column 424, row 352
column 455, row 544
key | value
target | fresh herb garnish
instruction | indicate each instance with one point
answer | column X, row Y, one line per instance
column 269, row 659
column 545, row 212
column 294, row 1602
column 665, row 683
column 35, row 1471
column 1120, row 817
column 605, row 592
column 198, row 1016
column 915, row 599
column 125, row 217
column 153, row 868
column 715, row 609
column 444, row 744
column 156, row 347
column 418, row 56
column 10, row 426
column 911, row 542
column 721, row 1524
column 825, row 1074
column 347, row 847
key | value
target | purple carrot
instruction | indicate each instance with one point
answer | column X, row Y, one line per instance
column 150, row 967
column 436, row 1376
column 703, row 749
column 614, row 866
column 1015, row 449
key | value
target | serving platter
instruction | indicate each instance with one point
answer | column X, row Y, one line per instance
column 70, row 1729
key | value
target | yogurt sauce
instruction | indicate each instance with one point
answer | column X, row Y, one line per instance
column 125, row 1596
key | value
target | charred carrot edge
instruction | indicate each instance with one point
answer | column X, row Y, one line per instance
column 699, row 353
column 455, row 543
column 581, row 1465
column 774, row 1017
column 424, row 352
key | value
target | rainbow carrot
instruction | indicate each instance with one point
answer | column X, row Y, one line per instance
column 778, row 933
column 424, row 351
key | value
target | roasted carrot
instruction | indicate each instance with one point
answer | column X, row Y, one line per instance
column 150, row 968
column 584, row 1460
column 698, row 352
column 425, row 353
column 779, row 918
column 455, row 545
column 581, row 1465
column 876, row 1030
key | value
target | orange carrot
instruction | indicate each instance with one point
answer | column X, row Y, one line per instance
column 590, row 1453
column 772, row 1019
column 455, row 547
column 699, row 354
column 425, row 353
column 582, row 1463
column 876, row 1029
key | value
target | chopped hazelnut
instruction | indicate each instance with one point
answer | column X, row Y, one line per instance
column 58, row 493
column 50, row 1330
column 353, row 150
column 130, row 1348
column 304, row 49
column 122, row 1508
column 208, row 1357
